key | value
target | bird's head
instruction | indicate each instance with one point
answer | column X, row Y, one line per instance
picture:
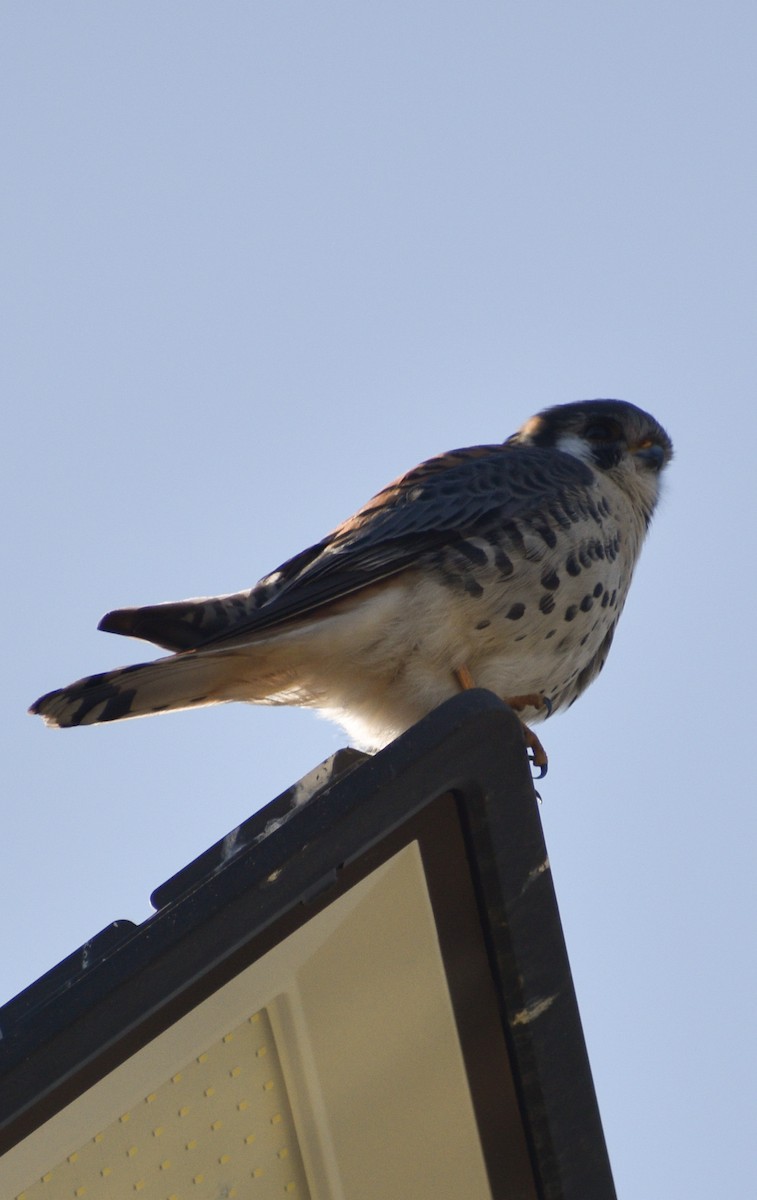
column 611, row 436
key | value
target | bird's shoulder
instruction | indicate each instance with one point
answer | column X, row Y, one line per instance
column 438, row 501
column 455, row 488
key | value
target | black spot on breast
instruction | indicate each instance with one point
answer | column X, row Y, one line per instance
column 597, row 590
column 592, row 669
column 512, row 532
column 605, row 599
column 587, row 603
column 585, row 677
column 550, row 634
column 547, row 535
column 450, row 578
column 483, row 624
column 503, row 563
column 570, row 612
column 612, row 547
column 572, row 566
column 559, row 516
column 584, row 556
column 551, row 580
column 473, row 553
column 472, row 586
column 547, row 602
column 613, row 598
column 515, row 612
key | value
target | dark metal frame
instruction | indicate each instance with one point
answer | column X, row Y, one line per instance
column 458, row 783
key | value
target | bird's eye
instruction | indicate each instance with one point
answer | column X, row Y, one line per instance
column 602, row 431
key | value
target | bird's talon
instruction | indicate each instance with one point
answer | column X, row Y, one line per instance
column 538, row 756
column 535, row 700
column 536, row 760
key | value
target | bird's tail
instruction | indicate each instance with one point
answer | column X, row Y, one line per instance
column 184, row 680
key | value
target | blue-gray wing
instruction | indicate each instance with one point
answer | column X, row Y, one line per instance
column 440, row 502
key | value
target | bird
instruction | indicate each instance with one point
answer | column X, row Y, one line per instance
column 503, row 566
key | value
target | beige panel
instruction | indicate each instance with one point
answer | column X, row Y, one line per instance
column 361, row 1074
column 382, row 1033
column 219, row 1125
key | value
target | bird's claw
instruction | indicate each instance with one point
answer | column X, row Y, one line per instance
column 543, row 767
column 530, row 700
column 538, row 755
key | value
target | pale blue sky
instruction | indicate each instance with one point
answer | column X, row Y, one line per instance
column 257, row 259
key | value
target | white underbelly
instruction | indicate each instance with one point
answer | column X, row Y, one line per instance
column 392, row 658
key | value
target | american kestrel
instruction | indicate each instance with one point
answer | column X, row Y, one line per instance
column 501, row 566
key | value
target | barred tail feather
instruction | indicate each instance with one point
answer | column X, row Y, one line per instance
column 169, row 684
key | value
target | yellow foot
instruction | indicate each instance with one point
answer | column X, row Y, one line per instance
column 537, row 757
column 464, row 678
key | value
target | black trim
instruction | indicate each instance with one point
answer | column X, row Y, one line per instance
column 460, row 777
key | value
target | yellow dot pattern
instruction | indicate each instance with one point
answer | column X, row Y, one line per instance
column 221, row 1126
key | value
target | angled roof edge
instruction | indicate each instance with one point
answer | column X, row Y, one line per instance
column 292, row 850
